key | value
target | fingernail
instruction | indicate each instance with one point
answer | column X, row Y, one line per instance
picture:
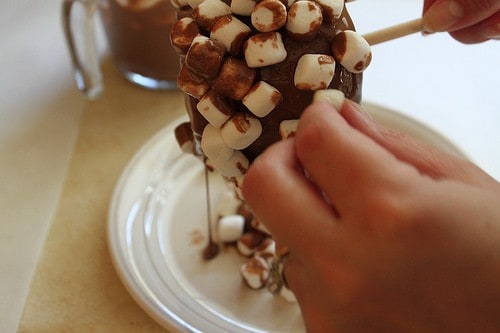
column 442, row 15
column 333, row 97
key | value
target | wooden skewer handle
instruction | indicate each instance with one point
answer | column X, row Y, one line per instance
column 393, row 32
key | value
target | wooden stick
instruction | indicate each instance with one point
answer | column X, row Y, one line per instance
column 393, row 32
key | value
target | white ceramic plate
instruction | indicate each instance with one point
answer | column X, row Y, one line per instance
column 157, row 231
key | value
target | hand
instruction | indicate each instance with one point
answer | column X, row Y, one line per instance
column 468, row 21
column 386, row 234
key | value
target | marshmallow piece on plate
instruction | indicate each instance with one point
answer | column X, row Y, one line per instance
column 216, row 109
column 331, row 96
column 230, row 228
column 183, row 33
column 314, row 71
column 213, row 145
column 255, row 272
column 269, row 15
column 235, row 78
column 262, row 99
column 304, row 20
column 288, row 128
column 209, row 11
column 352, row 51
column 236, row 166
column 204, row 57
column 331, row 9
column 249, row 242
column 191, row 83
column 264, row 49
column 242, row 7
column 231, row 32
column 241, row 130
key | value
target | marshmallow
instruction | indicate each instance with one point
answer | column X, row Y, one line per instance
column 331, row 96
column 314, row 71
column 213, row 146
column 227, row 204
column 264, row 49
column 191, row 83
column 235, row 79
column 269, row 15
column 255, row 272
column 204, row 57
column 304, row 20
column 331, row 9
column 352, row 51
column 230, row 228
column 182, row 34
column 185, row 139
column 241, row 131
column 231, row 32
column 236, row 166
column 209, row 11
column 262, row 99
column 215, row 108
column 242, row 7
column 249, row 242
column 288, row 128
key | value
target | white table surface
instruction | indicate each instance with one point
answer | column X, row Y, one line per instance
column 451, row 87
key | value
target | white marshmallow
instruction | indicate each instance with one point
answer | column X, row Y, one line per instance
column 331, row 96
column 237, row 165
column 255, row 272
column 242, row 7
column 214, row 109
column 230, row 228
column 314, row 71
column 191, row 84
column 304, row 19
column 264, row 49
column 288, row 294
column 241, row 131
column 288, row 128
column 231, row 32
column 269, row 15
column 331, row 8
column 209, row 11
column 352, row 51
column 227, row 204
column 213, row 145
column 262, row 99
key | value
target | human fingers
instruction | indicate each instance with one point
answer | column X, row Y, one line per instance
column 476, row 17
column 345, row 163
column 480, row 32
column 427, row 159
column 282, row 198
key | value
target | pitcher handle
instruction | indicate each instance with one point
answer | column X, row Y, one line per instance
column 84, row 57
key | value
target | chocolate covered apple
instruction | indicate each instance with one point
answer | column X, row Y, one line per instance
column 248, row 70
